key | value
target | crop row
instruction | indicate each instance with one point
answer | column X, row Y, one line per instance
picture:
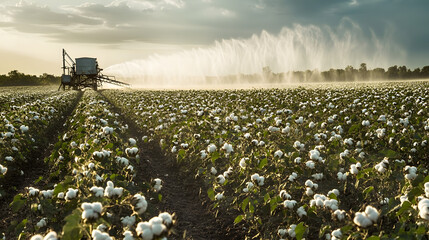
column 23, row 131
column 91, row 190
column 10, row 99
column 306, row 162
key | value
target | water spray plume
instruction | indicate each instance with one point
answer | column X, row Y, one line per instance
column 297, row 48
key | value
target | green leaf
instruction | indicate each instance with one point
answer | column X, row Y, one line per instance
column 333, row 196
column 215, row 156
column 38, row 180
column 109, row 146
column 17, row 203
column 426, row 179
column 367, row 191
column 181, row 154
column 160, row 197
column 273, row 204
column 263, row 163
column 266, row 197
column 346, row 229
column 300, row 230
column 20, row 227
column 389, row 153
column 238, row 219
column 71, row 230
column 244, row 204
column 251, row 208
column 373, row 238
column 211, row 194
column 405, row 207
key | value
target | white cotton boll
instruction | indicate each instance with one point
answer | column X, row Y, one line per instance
column 47, row 193
column 51, row 236
column 41, row 223
column 173, row 149
column 23, row 128
column 411, row 176
column 91, row 210
column 71, row 193
column 309, row 192
column 243, row 163
column 385, row 201
column 282, row 232
column 33, row 191
column 278, row 154
column 353, row 169
column 334, row 191
column 118, row 191
column 341, row 176
column 213, row 171
column 203, row 154
column 219, row 196
column 372, row 213
column 211, row 148
column 291, row 230
column 340, row 214
column 255, row 177
column 317, row 176
column 132, row 141
column 128, row 220
column 310, row 164
column 157, row 187
column 73, row 144
column 157, row 229
column 297, row 160
column 261, row 181
column 167, row 219
column 140, row 203
column 37, row 237
column 9, row 158
column 98, row 235
column 91, row 165
column 292, row 177
column 423, row 207
column 128, row 235
column 60, row 195
column 221, row 179
column 362, row 220
column 309, row 183
column 228, row 148
column 107, row 130
column 314, row 154
column 337, row 233
column 301, row 211
column 289, row 204
column 284, row 195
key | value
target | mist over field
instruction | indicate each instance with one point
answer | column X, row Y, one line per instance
column 241, row 61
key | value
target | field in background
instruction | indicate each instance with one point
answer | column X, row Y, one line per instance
column 319, row 160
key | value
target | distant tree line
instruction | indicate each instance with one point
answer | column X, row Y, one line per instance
column 16, row 78
column 349, row 74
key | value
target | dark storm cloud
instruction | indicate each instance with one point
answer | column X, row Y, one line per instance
column 203, row 21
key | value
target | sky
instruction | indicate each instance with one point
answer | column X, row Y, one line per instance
column 33, row 33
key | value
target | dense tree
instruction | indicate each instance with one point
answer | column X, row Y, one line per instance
column 16, row 78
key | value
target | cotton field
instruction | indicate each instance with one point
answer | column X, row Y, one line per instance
column 343, row 162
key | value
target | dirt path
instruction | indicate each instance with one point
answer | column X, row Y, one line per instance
column 32, row 171
column 182, row 194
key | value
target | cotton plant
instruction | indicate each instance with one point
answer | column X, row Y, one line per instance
column 158, row 184
column 366, row 218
